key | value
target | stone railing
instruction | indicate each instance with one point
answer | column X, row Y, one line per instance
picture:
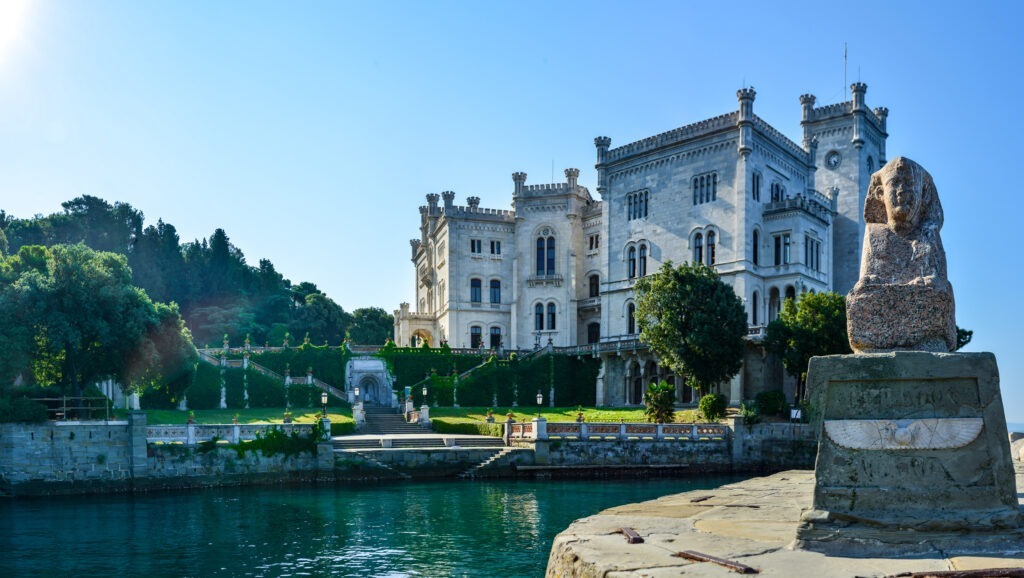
column 539, row 429
column 191, row 434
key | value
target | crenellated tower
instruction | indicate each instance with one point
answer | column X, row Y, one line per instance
column 847, row 143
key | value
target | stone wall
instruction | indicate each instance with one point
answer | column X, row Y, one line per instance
column 772, row 447
column 65, row 452
column 713, row 455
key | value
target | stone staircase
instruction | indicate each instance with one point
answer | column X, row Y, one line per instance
column 497, row 455
column 378, row 464
column 385, row 421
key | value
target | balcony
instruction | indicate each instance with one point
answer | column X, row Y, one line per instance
column 589, row 303
column 545, row 280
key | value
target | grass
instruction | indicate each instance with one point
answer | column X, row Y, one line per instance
column 563, row 414
column 260, row 415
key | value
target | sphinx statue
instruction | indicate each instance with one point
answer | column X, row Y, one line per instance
column 903, row 300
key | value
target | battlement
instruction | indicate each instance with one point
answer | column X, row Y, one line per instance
column 808, row 99
column 697, row 129
column 841, row 109
column 746, row 93
column 812, row 203
column 546, row 187
column 779, row 138
column 478, row 211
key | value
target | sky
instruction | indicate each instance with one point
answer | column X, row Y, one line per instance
column 311, row 131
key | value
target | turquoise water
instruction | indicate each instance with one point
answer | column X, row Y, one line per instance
column 501, row 528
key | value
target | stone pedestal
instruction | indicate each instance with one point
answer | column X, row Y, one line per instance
column 912, row 450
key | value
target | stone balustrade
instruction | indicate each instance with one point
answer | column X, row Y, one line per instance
column 192, row 434
column 539, row 429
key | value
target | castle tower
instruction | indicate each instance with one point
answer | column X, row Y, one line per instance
column 850, row 145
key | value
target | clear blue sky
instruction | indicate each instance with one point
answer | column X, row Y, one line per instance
column 311, row 131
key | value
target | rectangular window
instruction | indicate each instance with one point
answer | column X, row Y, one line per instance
column 475, row 291
column 812, row 253
column 595, row 242
column 476, row 246
column 782, row 247
column 495, row 337
column 495, row 247
column 495, row 291
column 476, row 337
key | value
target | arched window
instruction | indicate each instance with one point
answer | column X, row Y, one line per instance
column 871, row 165
column 595, row 285
column 476, row 337
column 711, row 247
column 694, row 190
column 698, row 248
column 629, row 207
column 790, row 292
column 475, row 290
column 551, row 256
column 495, row 291
column 538, row 317
column 643, row 260
column 441, row 294
column 757, row 246
column 495, row 337
column 631, row 262
column 631, row 321
column 756, row 189
column 646, row 197
column 593, row 333
column 551, row 316
column 703, row 188
column 540, row 256
column 753, row 309
column 714, row 187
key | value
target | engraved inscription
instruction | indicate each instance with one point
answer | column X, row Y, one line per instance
column 901, row 399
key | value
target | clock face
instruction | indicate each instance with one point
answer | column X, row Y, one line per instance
column 833, row 159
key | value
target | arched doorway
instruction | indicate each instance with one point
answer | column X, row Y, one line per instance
column 371, row 376
column 421, row 336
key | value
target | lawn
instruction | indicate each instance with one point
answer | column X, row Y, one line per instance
column 563, row 414
column 261, row 415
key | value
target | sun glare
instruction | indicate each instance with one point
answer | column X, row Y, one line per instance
column 13, row 19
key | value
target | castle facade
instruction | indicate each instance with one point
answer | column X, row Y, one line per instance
column 775, row 218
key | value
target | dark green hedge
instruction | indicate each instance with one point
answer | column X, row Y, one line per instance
column 478, row 428
column 410, row 365
column 573, row 378
column 21, row 409
column 328, row 363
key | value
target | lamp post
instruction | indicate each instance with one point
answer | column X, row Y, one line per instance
column 323, row 402
column 357, row 394
column 540, row 401
column 424, row 394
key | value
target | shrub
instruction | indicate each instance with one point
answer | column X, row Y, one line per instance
column 21, row 409
column 204, row 393
column 749, row 414
column 480, row 428
column 342, row 428
column 772, row 403
column 712, row 406
column 659, row 402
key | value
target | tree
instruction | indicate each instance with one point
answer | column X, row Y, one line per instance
column 74, row 318
column 963, row 337
column 693, row 321
column 371, row 326
column 813, row 325
column 659, row 402
column 322, row 319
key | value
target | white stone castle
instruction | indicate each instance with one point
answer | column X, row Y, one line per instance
column 774, row 217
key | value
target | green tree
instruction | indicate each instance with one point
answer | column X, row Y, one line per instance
column 371, row 326
column 963, row 337
column 815, row 324
column 693, row 321
column 74, row 318
column 659, row 402
column 322, row 319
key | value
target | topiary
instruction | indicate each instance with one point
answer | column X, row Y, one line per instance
column 712, row 406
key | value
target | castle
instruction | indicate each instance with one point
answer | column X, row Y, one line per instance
column 775, row 218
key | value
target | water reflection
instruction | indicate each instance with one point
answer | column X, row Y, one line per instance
column 391, row 530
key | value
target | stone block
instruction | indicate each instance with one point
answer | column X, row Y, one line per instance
column 909, row 441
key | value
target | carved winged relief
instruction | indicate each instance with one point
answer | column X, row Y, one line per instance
column 904, row 434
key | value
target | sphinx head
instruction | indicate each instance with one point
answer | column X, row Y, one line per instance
column 902, row 195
